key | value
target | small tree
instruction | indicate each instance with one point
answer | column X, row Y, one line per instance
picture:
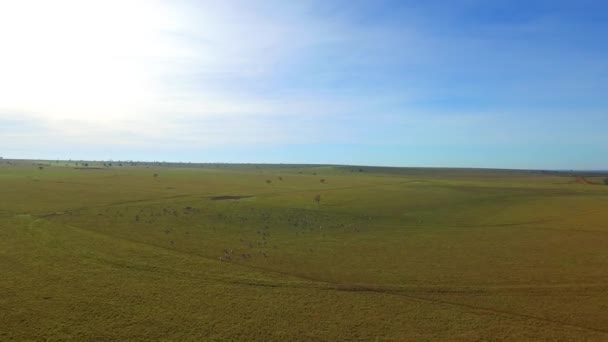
column 268, row 181
column 318, row 199
column 606, row 181
column 323, row 180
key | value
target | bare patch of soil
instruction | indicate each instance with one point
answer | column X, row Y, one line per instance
column 228, row 198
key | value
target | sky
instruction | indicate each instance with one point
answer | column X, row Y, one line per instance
column 462, row 83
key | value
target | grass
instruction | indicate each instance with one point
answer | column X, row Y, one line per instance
column 387, row 254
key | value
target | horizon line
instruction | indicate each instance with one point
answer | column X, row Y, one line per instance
column 308, row 164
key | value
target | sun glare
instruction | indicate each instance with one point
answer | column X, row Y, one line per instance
column 73, row 59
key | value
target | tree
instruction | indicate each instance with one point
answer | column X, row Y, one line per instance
column 606, row 181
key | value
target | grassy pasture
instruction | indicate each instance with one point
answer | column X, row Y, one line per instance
column 115, row 253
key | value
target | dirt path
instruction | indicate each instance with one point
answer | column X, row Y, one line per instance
column 583, row 180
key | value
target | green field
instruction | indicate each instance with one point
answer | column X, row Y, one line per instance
column 117, row 253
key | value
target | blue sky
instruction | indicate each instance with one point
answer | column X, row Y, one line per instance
column 509, row 84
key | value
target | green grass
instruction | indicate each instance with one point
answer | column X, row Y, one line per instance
column 388, row 254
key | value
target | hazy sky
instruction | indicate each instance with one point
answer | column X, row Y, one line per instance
column 519, row 84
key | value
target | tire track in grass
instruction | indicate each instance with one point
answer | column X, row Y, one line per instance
column 313, row 283
column 190, row 254
column 114, row 204
column 490, row 311
column 208, row 196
